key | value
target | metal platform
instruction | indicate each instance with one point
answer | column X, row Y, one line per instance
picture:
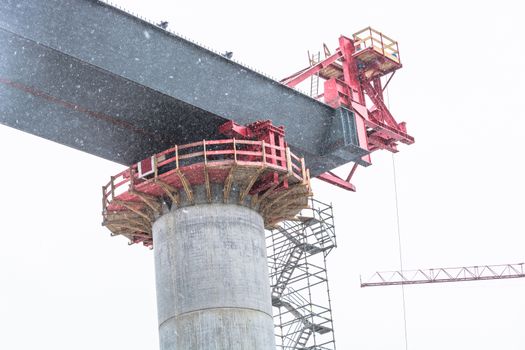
column 133, row 199
column 92, row 77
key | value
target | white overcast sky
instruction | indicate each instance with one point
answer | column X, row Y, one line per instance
column 65, row 284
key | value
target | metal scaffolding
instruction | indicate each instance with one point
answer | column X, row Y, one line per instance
column 297, row 252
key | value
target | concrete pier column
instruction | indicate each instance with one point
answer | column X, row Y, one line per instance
column 213, row 290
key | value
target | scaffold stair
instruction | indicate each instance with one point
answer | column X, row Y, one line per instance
column 306, row 247
column 287, row 271
column 323, row 239
column 299, row 307
column 302, row 314
column 303, row 338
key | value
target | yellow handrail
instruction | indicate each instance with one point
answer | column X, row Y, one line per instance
column 371, row 38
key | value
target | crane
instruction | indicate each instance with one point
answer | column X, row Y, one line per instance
column 445, row 274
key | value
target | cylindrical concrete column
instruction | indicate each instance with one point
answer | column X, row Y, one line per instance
column 213, row 290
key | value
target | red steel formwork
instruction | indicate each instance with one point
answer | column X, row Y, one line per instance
column 263, row 167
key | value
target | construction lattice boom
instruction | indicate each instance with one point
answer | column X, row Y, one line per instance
column 448, row 274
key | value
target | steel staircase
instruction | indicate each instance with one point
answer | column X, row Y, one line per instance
column 297, row 253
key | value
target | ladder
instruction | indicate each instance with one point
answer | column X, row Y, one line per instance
column 314, row 79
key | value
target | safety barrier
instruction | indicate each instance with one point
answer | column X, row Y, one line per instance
column 210, row 154
column 382, row 44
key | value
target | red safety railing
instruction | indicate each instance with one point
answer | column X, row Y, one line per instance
column 209, row 153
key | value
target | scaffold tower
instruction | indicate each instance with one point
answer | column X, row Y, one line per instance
column 297, row 251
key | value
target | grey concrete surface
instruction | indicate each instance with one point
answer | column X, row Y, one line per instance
column 212, row 280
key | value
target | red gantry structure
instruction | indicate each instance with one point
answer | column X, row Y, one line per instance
column 256, row 156
column 352, row 79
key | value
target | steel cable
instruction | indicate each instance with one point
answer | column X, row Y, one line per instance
column 399, row 238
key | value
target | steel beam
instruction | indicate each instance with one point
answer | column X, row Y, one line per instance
column 92, row 77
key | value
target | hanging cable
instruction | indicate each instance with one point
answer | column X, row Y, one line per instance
column 400, row 252
column 399, row 237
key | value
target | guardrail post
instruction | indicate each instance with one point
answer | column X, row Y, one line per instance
column 234, row 151
column 131, row 178
column 303, row 170
column 155, row 167
column 263, row 145
column 177, row 156
column 112, row 187
column 308, row 179
column 103, row 199
column 204, row 152
column 289, row 161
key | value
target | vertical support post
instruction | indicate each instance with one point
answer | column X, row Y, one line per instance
column 308, row 177
column 176, row 156
column 350, row 71
column 206, row 175
column 131, row 178
column 263, row 145
column 155, row 166
column 382, row 44
column 103, row 199
column 112, row 187
column 204, row 152
column 273, row 159
column 282, row 147
column 303, row 171
column 234, row 151
column 289, row 162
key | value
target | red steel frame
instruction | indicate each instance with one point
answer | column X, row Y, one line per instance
column 262, row 130
column 352, row 73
